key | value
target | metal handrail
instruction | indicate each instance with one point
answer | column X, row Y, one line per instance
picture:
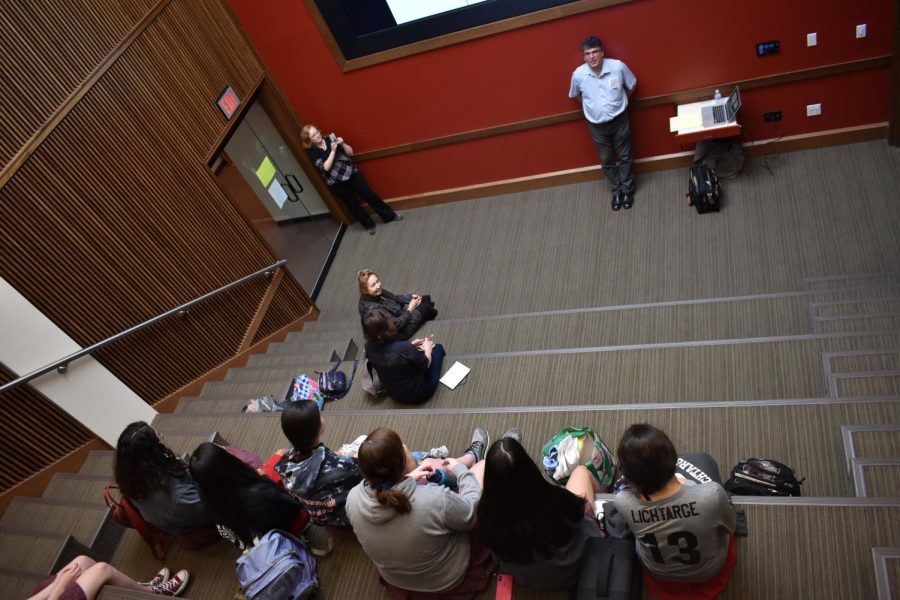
column 62, row 364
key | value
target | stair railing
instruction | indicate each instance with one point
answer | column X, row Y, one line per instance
column 62, row 365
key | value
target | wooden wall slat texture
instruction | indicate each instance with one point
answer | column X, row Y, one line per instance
column 34, row 432
column 115, row 217
column 47, row 49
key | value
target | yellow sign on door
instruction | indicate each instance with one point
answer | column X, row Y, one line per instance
column 266, row 172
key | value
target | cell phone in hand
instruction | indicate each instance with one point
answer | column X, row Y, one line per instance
column 332, row 137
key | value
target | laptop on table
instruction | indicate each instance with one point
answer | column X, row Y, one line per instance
column 720, row 114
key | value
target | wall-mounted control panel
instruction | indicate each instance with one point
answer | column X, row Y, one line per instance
column 770, row 47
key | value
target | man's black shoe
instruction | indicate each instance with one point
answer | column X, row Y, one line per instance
column 616, row 201
column 627, row 201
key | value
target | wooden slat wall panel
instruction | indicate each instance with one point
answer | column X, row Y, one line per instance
column 47, row 49
column 282, row 309
column 115, row 218
column 34, row 432
column 183, row 349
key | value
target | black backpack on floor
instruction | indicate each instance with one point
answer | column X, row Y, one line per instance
column 762, row 477
column 704, row 191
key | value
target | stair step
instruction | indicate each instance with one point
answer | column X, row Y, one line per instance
column 850, row 291
column 887, row 322
column 277, row 388
column 337, row 337
column 31, row 551
column 872, row 441
column 15, row 585
column 869, row 360
column 196, row 405
column 99, row 462
column 692, row 372
column 730, row 432
column 211, row 570
column 186, row 443
column 845, row 308
column 76, row 487
column 857, row 280
column 301, row 362
column 639, row 324
column 315, row 349
column 90, row 524
column 877, row 383
column 703, row 371
column 876, row 478
column 245, row 374
column 111, row 592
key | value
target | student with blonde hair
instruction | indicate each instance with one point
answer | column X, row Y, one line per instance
column 332, row 156
column 410, row 311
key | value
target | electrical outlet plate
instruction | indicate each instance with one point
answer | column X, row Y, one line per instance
column 861, row 31
column 813, row 110
column 812, row 39
column 772, row 116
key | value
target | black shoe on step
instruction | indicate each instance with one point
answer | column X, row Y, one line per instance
column 616, row 201
column 627, row 200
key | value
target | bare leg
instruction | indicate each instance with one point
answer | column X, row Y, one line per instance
column 478, row 470
column 103, row 573
column 583, row 483
column 467, row 459
column 68, row 573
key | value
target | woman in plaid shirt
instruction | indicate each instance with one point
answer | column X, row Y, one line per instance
column 332, row 157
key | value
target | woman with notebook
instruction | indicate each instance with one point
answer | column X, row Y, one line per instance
column 409, row 371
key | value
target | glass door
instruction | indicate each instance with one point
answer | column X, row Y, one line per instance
column 288, row 212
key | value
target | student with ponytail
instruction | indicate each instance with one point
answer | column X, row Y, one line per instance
column 420, row 535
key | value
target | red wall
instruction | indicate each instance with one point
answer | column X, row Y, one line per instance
column 671, row 45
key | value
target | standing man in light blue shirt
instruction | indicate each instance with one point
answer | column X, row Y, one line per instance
column 603, row 86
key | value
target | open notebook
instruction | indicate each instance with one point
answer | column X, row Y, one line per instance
column 455, row 374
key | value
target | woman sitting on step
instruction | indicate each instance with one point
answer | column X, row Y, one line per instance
column 319, row 477
column 409, row 371
column 82, row 579
column 160, row 486
column 420, row 537
column 538, row 530
column 684, row 528
column 245, row 504
column 409, row 311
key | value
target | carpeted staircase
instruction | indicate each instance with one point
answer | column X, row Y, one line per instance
column 757, row 384
column 569, row 314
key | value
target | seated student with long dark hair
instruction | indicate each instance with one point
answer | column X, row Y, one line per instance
column 409, row 371
column 538, row 530
column 160, row 486
column 684, row 532
column 418, row 536
column 319, row 477
column 243, row 503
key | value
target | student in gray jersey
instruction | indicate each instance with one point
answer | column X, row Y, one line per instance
column 684, row 532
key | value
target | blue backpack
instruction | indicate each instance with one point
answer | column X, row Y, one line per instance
column 278, row 567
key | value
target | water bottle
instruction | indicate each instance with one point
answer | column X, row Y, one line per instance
column 442, row 477
column 718, row 97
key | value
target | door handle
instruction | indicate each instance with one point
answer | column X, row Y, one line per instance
column 293, row 187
